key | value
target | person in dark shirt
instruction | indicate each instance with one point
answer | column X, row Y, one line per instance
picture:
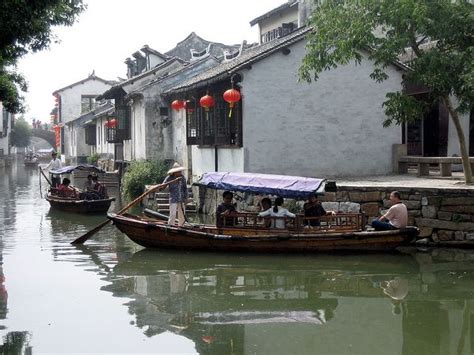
column 313, row 208
column 225, row 209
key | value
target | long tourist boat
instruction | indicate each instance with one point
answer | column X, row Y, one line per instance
column 77, row 205
column 341, row 232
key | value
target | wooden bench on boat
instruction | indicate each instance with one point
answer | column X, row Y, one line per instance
column 423, row 164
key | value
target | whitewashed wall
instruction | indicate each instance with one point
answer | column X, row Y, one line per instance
column 4, row 140
column 229, row 159
column 102, row 147
column 71, row 109
column 329, row 128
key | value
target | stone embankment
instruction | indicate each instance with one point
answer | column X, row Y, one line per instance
column 442, row 214
column 443, row 209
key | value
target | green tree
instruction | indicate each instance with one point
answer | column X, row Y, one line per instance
column 27, row 26
column 20, row 135
column 437, row 36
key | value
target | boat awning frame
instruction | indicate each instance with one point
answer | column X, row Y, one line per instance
column 296, row 187
column 70, row 168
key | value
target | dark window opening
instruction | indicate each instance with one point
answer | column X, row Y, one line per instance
column 217, row 126
column 164, row 111
column 91, row 135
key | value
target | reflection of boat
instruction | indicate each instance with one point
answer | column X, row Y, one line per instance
column 79, row 204
column 232, row 302
column 343, row 232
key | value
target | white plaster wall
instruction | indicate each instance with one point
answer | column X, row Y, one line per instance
column 71, row 108
column 329, row 128
column 180, row 150
column 229, row 159
column 4, row 140
column 102, row 146
column 289, row 15
column 138, row 146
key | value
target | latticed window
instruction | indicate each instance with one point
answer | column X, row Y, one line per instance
column 215, row 126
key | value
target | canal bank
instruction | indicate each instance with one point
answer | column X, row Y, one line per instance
column 441, row 207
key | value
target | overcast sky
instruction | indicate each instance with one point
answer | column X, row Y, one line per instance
column 109, row 31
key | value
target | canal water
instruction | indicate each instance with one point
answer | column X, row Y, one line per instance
column 112, row 296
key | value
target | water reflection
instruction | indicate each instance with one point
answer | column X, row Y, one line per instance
column 357, row 304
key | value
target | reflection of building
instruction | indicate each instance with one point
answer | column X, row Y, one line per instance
column 247, row 306
column 354, row 304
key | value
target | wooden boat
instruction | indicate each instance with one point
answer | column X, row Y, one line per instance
column 342, row 232
column 77, row 205
column 31, row 161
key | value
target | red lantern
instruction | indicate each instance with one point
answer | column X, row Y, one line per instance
column 177, row 105
column 207, row 102
column 113, row 123
column 231, row 96
column 106, row 124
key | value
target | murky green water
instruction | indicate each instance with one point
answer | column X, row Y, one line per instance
column 111, row 296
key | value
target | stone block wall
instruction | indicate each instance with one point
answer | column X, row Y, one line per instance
column 442, row 214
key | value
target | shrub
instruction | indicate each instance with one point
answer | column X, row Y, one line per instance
column 93, row 159
column 140, row 173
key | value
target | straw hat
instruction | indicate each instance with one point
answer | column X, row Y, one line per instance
column 175, row 168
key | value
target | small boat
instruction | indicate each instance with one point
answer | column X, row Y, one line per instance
column 80, row 204
column 342, row 232
column 31, row 160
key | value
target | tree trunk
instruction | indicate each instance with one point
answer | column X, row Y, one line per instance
column 462, row 141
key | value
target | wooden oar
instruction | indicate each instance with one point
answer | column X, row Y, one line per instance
column 42, row 173
column 90, row 233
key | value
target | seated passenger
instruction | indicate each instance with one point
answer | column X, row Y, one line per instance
column 277, row 211
column 88, row 185
column 99, row 188
column 395, row 218
column 313, row 208
column 65, row 190
column 224, row 210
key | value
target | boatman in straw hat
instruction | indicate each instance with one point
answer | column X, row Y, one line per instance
column 178, row 193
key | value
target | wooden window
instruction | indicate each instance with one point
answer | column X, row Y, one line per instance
column 215, row 127
column 87, row 103
column 164, row 111
column 91, row 134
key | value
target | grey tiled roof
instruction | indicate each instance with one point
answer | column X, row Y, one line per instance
column 247, row 57
column 282, row 7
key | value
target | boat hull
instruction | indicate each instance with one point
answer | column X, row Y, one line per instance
column 80, row 206
column 156, row 234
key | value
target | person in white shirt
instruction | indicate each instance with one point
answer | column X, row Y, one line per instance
column 277, row 211
column 395, row 218
column 54, row 164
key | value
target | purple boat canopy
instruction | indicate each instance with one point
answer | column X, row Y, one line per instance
column 69, row 169
column 267, row 184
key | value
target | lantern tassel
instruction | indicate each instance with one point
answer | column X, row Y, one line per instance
column 231, row 106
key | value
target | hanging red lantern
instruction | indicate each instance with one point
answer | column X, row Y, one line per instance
column 206, row 102
column 231, row 96
column 177, row 105
column 112, row 123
